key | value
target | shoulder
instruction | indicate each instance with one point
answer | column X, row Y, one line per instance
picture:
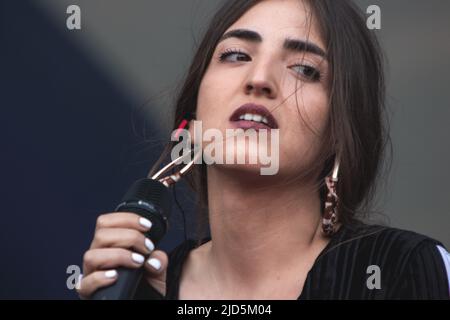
column 383, row 239
column 411, row 265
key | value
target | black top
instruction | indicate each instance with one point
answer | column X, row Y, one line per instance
column 360, row 262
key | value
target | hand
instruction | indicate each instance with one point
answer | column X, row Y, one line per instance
column 119, row 241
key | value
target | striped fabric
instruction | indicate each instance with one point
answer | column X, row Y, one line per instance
column 360, row 262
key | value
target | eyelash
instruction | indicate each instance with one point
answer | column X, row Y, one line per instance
column 314, row 76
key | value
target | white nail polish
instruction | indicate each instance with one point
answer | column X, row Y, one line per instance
column 78, row 283
column 149, row 244
column 145, row 223
column 155, row 263
column 111, row 274
column 137, row 258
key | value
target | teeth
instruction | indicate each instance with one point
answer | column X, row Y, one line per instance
column 257, row 118
column 254, row 117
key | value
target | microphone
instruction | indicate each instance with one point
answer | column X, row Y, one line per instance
column 150, row 199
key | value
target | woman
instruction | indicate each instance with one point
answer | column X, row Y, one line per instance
column 315, row 73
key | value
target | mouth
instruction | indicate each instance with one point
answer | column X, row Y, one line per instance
column 253, row 116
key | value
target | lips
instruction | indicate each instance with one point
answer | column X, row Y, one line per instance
column 263, row 120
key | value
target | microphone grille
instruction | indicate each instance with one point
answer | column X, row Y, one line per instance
column 150, row 191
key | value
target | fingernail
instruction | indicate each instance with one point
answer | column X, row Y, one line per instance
column 150, row 246
column 145, row 223
column 111, row 274
column 78, row 283
column 137, row 258
column 155, row 263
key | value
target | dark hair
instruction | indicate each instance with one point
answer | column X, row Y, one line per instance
column 356, row 129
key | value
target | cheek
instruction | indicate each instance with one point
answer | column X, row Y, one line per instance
column 207, row 99
column 307, row 121
column 215, row 99
column 310, row 110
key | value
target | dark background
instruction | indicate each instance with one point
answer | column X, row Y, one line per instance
column 84, row 113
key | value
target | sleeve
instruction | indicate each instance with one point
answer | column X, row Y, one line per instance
column 425, row 275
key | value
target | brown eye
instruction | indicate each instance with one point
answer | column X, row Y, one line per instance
column 234, row 56
column 307, row 72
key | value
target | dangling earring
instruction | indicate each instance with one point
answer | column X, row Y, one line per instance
column 330, row 217
column 174, row 178
column 194, row 154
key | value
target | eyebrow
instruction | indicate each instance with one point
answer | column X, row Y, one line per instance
column 289, row 44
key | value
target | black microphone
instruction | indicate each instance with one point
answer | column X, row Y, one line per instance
column 150, row 199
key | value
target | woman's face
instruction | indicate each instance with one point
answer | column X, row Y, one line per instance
column 268, row 67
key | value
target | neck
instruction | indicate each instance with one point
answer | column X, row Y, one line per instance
column 255, row 233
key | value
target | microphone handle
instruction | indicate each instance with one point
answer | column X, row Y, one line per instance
column 124, row 288
column 128, row 279
column 155, row 207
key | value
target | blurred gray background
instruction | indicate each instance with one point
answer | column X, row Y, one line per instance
column 127, row 60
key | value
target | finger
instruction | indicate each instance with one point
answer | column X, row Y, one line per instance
column 156, row 270
column 110, row 258
column 125, row 220
column 95, row 281
column 122, row 238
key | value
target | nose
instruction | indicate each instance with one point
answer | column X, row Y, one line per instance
column 259, row 88
column 261, row 83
